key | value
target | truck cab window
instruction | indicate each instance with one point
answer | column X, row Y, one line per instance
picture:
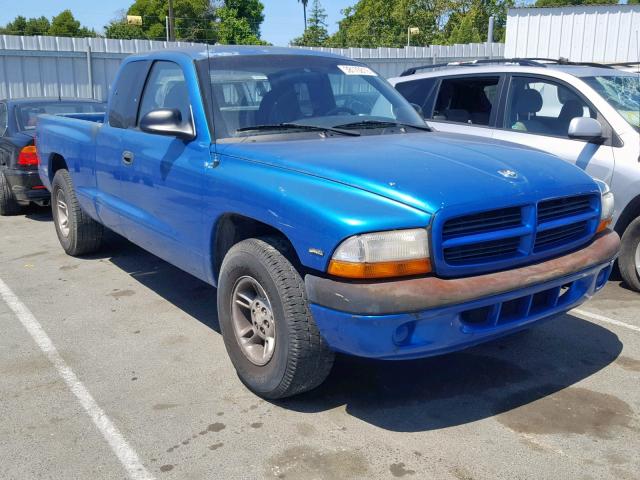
column 126, row 94
column 466, row 100
column 3, row 119
column 166, row 88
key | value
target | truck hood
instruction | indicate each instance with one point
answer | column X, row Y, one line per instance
column 428, row 171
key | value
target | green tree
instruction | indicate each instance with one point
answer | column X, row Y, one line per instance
column 235, row 30
column 384, row 23
column 230, row 21
column 65, row 25
column 468, row 21
column 251, row 10
column 315, row 35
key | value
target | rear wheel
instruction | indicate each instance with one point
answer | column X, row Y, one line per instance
column 78, row 233
column 270, row 335
column 629, row 260
column 8, row 203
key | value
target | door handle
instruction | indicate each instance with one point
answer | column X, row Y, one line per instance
column 127, row 157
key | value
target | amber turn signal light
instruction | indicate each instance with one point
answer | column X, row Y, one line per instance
column 379, row 269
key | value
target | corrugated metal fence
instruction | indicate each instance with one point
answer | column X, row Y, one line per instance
column 85, row 67
column 587, row 33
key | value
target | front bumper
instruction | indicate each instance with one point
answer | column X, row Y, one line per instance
column 27, row 186
column 428, row 316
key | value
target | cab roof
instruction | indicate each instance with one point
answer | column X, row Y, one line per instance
column 199, row 52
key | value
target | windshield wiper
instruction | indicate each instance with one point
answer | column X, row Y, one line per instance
column 382, row 124
column 298, row 126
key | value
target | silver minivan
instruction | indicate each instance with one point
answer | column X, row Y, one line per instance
column 587, row 114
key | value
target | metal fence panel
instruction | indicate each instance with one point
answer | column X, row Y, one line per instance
column 86, row 67
column 588, row 33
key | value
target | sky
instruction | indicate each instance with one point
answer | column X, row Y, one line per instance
column 283, row 18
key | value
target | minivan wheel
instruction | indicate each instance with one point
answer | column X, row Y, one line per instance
column 78, row 233
column 268, row 330
column 629, row 260
column 8, row 203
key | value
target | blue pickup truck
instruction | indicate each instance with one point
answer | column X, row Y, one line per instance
column 330, row 218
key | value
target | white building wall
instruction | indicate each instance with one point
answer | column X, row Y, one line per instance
column 598, row 33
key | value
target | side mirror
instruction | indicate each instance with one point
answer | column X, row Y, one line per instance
column 585, row 128
column 167, row 121
column 418, row 109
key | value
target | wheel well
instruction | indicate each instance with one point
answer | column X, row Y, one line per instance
column 56, row 162
column 630, row 213
column 233, row 228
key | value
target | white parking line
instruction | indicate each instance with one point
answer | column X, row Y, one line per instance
column 127, row 456
column 602, row 318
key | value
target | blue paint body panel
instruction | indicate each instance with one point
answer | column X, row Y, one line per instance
column 316, row 191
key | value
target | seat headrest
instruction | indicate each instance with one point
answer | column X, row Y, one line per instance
column 529, row 101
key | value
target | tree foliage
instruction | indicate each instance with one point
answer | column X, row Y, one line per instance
column 229, row 21
column 373, row 23
column 315, row 35
column 63, row 25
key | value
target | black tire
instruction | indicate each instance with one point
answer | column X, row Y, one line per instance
column 83, row 234
column 301, row 358
column 8, row 203
column 627, row 260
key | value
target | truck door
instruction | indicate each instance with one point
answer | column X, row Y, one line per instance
column 163, row 176
column 123, row 108
column 537, row 114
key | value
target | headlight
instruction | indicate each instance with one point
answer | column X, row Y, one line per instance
column 395, row 253
column 607, row 203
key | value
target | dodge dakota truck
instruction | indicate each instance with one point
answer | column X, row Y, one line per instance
column 327, row 214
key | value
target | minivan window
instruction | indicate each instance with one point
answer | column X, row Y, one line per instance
column 541, row 106
column 166, row 88
column 419, row 92
column 466, row 100
column 126, row 95
column 4, row 118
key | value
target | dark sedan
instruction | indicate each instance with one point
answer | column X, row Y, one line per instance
column 19, row 180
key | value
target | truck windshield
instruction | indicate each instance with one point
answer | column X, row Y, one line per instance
column 622, row 92
column 274, row 94
column 27, row 115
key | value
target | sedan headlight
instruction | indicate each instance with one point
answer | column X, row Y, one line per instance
column 394, row 253
column 607, row 203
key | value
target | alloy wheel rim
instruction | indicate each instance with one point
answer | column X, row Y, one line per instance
column 253, row 320
column 637, row 259
column 62, row 213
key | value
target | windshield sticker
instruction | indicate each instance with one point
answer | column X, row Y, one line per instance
column 357, row 70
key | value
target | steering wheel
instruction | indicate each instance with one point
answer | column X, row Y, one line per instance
column 338, row 110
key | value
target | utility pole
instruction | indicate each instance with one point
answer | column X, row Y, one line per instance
column 172, row 35
column 490, row 37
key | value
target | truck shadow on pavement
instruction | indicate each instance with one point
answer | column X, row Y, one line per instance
column 417, row 395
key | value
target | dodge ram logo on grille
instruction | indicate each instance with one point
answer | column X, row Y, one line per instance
column 508, row 173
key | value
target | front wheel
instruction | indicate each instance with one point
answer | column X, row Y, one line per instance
column 78, row 233
column 268, row 330
column 629, row 260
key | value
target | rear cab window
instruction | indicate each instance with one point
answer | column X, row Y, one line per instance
column 470, row 99
column 126, row 94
